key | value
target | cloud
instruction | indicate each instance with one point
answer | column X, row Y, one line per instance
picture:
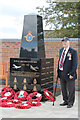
column 12, row 14
column 8, row 21
column 11, row 26
column 17, row 7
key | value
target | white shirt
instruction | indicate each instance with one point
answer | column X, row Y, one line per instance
column 64, row 57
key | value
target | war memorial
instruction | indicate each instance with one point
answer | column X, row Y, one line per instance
column 32, row 71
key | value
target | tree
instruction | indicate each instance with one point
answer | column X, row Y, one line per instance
column 63, row 16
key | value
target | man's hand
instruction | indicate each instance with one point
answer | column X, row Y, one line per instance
column 70, row 76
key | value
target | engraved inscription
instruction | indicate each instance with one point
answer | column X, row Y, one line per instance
column 47, row 83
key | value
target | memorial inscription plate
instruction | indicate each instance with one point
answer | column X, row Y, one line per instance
column 30, row 75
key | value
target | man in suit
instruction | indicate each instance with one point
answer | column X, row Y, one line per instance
column 67, row 66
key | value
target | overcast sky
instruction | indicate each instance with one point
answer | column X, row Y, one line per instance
column 12, row 14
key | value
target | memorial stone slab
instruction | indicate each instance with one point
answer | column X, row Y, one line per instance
column 32, row 71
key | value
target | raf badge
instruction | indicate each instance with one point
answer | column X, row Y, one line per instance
column 29, row 37
column 69, row 55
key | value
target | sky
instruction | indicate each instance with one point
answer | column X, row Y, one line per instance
column 12, row 15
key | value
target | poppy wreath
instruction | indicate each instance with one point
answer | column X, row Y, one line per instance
column 0, row 93
column 4, row 90
column 7, row 104
column 9, row 93
column 15, row 101
column 33, row 103
column 34, row 94
column 0, row 104
column 3, row 99
column 49, row 95
column 22, row 106
column 21, row 95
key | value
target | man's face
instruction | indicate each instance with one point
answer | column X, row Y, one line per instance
column 65, row 44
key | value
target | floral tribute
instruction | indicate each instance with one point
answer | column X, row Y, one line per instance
column 22, row 106
column 34, row 102
column 21, row 99
column 21, row 95
column 49, row 95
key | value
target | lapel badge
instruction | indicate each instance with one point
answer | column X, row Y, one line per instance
column 69, row 55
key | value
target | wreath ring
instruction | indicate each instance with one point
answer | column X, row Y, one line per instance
column 34, row 94
column 21, row 95
column 22, row 106
column 7, row 104
column 9, row 93
column 49, row 95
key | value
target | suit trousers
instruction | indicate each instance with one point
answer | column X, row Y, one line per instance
column 68, row 89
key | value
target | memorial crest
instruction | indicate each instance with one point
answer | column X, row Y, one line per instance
column 29, row 37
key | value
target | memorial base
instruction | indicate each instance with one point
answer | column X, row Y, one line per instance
column 32, row 74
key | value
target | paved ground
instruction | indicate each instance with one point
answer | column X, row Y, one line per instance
column 46, row 110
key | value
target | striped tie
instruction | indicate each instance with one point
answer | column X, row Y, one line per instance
column 62, row 59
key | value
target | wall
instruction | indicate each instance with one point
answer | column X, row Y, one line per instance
column 8, row 49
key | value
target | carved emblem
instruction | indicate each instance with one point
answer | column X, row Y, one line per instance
column 29, row 37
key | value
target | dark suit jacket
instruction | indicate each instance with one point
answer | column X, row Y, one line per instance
column 70, row 65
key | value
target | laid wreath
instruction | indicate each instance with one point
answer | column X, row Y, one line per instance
column 15, row 101
column 22, row 106
column 21, row 95
column 34, row 94
column 4, row 99
column 7, row 104
column 0, row 93
column 9, row 93
column 35, row 104
column 49, row 95
column 5, row 89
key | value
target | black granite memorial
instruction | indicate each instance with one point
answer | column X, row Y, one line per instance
column 32, row 44
column 32, row 74
column 32, row 71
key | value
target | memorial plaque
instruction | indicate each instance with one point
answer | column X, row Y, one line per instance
column 27, row 74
